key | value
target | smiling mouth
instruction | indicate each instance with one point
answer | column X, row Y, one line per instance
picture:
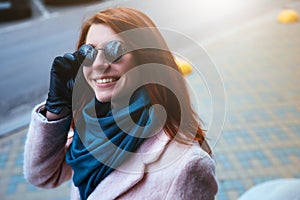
column 106, row 80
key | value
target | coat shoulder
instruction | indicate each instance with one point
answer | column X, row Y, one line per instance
column 193, row 155
column 195, row 176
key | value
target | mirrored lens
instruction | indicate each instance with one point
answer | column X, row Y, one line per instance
column 88, row 53
column 113, row 51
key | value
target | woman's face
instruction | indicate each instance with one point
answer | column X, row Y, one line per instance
column 102, row 76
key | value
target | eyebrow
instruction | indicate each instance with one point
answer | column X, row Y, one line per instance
column 102, row 48
column 92, row 45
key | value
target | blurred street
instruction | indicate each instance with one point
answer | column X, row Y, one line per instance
column 257, row 58
column 29, row 46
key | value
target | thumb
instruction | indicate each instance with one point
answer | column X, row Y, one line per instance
column 70, row 84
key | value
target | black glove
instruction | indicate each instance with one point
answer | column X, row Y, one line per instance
column 62, row 77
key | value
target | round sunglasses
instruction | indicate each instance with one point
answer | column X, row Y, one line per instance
column 112, row 52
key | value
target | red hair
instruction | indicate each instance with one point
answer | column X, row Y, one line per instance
column 125, row 19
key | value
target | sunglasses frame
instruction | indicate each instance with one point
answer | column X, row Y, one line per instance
column 104, row 52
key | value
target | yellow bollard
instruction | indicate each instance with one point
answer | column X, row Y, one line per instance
column 288, row 16
column 184, row 67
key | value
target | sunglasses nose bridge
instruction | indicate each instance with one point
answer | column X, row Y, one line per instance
column 99, row 58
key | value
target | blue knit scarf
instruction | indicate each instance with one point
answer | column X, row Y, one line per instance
column 99, row 146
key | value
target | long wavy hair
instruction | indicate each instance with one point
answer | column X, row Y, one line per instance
column 125, row 19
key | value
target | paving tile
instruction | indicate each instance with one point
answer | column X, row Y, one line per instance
column 260, row 139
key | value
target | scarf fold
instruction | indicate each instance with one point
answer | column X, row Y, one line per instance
column 99, row 145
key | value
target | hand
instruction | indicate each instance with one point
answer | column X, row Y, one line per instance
column 62, row 77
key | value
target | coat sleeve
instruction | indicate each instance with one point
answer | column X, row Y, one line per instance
column 45, row 149
column 196, row 181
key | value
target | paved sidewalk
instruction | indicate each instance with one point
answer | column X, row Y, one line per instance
column 260, row 66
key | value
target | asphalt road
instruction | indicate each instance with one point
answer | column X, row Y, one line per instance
column 29, row 46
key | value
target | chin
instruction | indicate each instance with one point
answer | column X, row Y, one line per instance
column 102, row 98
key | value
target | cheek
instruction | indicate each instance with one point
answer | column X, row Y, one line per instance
column 129, row 63
column 86, row 73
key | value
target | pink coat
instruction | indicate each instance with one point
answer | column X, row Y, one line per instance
column 160, row 169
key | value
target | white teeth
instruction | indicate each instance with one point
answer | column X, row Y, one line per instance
column 105, row 80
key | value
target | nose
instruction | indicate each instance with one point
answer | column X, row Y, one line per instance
column 100, row 62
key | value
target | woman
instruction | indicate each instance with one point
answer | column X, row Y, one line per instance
column 124, row 145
